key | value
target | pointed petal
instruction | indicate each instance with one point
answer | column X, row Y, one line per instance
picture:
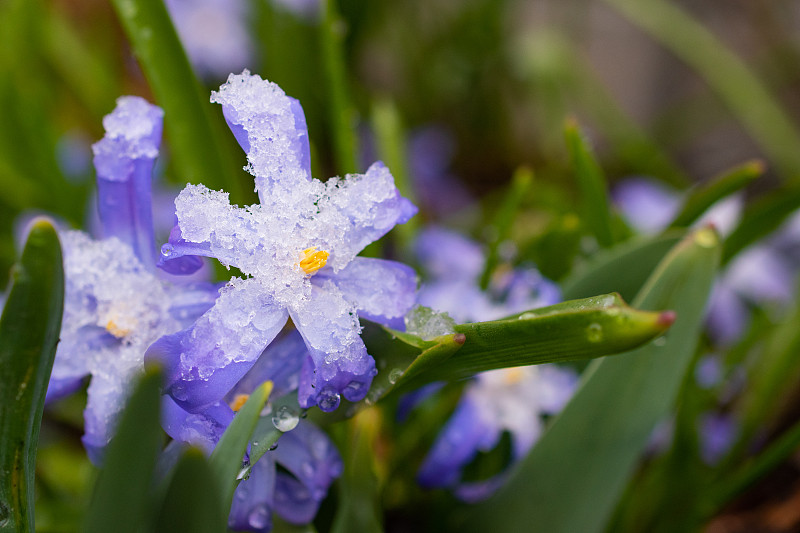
column 382, row 291
column 124, row 161
column 202, row 363
column 330, row 329
column 357, row 211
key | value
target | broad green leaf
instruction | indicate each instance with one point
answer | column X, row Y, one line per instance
column 122, row 496
column 592, row 185
column 578, row 329
column 577, row 471
column 504, row 219
column 637, row 258
column 702, row 198
column 727, row 75
column 29, row 329
column 192, row 500
column 202, row 148
column 226, row 459
column 761, row 218
column 359, row 498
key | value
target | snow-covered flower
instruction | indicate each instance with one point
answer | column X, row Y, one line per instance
column 298, row 250
column 307, row 458
column 513, row 400
column 116, row 303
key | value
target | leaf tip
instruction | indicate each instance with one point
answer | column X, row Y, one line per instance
column 666, row 319
column 707, row 237
column 459, row 338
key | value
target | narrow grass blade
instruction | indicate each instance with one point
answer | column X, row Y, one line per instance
column 520, row 186
column 358, row 491
column 226, row 460
column 122, row 500
column 592, row 185
column 203, row 150
column 762, row 218
column 575, row 474
column 704, row 197
column 747, row 97
column 29, row 329
column 192, row 499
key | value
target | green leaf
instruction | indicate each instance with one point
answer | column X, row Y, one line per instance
column 122, row 496
column 192, row 500
column 637, row 258
column 577, row 471
column 504, row 219
column 29, row 329
column 202, row 148
column 359, row 506
column 762, row 218
column 702, row 198
column 226, row 459
column 578, row 329
column 592, row 185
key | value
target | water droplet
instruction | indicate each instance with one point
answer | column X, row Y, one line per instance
column 594, row 332
column 258, row 517
column 285, row 419
column 179, row 392
column 328, row 400
column 394, row 375
column 353, row 390
column 167, row 249
column 661, row 341
column 273, row 447
column 308, row 469
column 244, row 473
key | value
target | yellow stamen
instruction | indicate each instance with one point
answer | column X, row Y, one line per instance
column 311, row 260
column 513, row 375
column 239, row 401
column 117, row 331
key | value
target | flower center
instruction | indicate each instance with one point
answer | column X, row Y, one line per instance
column 116, row 330
column 312, row 260
column 513, row 376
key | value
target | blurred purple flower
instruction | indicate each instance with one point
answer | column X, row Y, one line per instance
column 298, row 249
column 514, row 399
column 214, row 33
column 115, row 304
column 307, row 458
column 717, row 433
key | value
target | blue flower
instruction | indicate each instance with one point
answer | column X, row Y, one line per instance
column 513, row 400
column 298, row 249
column 307, row 458
column 116, row 302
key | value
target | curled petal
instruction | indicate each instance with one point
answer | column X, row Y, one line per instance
column 382, row 291
column 202, row 363
column 198, row 429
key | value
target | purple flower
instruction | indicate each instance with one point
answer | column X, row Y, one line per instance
column 298, row 249
column 717, row 434
column 115, row 303
column 308, row 459
column 513, row 399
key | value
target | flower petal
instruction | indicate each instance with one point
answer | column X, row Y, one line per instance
column 270, row 127
column 202, row 363
column 445, row 254
column 361, row 209
column 124, row 161
column 198, row 429
column 280, row 363
column 382, row 291
column 341, row 366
